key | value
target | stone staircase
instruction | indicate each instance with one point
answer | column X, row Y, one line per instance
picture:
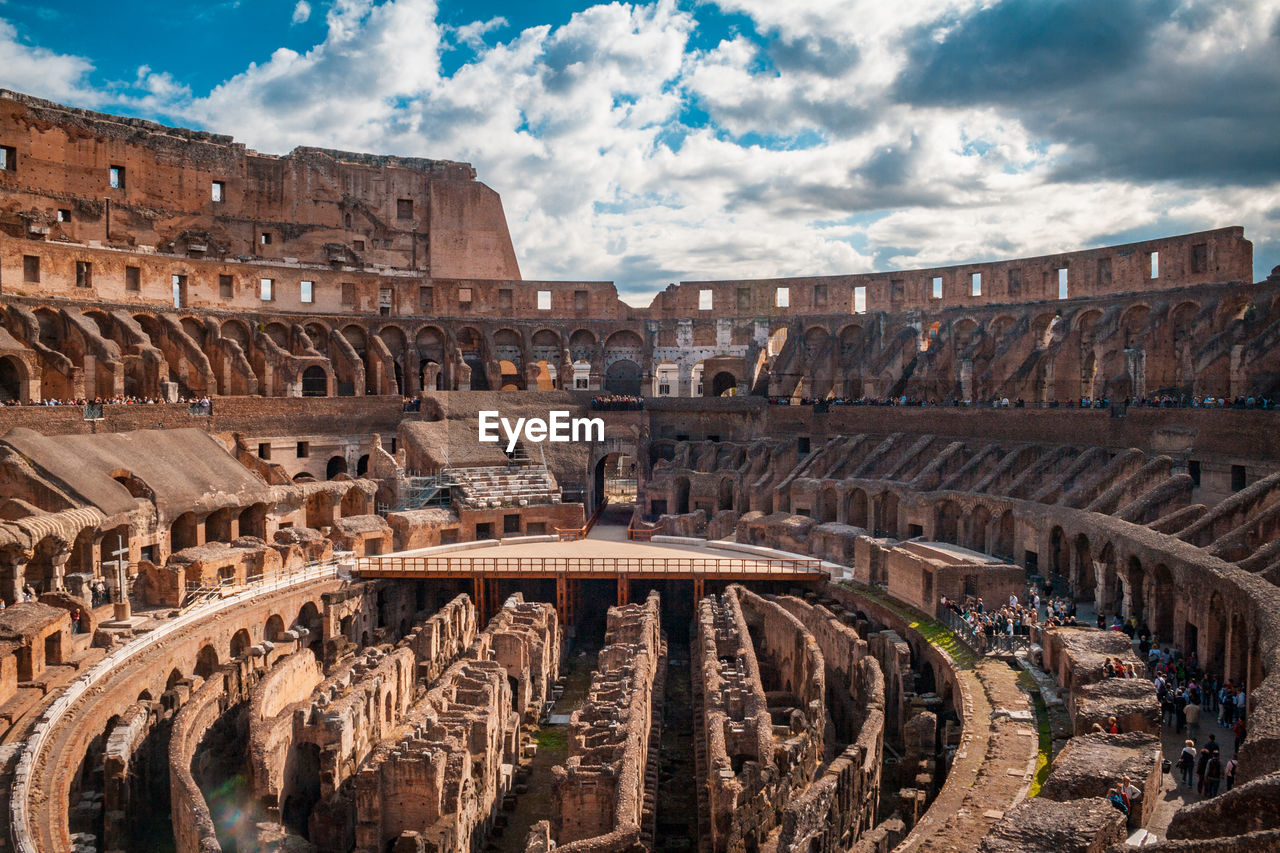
column 496, row 486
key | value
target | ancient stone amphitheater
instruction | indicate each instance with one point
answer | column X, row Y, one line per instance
column 267, row 590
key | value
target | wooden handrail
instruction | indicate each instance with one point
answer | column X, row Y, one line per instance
column 570, row 534
column 448, row 565
column 644, row 534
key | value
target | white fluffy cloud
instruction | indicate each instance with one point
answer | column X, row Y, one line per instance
column 301, row 12
column 828, row 143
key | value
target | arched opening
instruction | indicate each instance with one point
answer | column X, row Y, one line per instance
column 301, row 790
column 206, row 661
column 682, row 495
column 979, row 521
column 1085, row 579
column 315, row 382
column 855, row 508
column 623, row 377
column 828, row 504
column 1162, row 602
column 726, row 494
column 309, row 618
column 1136, row 578
column 948, row 529
column 362, row 465
column 337, row 465
column 889, row 514
column 274, row 628
column 1004, row 536
column 1059, row 555
column 724, row 384
column 240, row 643
column 175, row 678
column 11, row 377
column 184, row 534
column 253, row 521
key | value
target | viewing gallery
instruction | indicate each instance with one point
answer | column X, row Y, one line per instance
column 982, row 557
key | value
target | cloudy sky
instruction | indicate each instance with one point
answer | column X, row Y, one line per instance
column 687, row 139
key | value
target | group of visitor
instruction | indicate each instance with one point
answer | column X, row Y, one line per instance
column 1014, row 618
column 120, row 400
column 1163, row 401
column 617, row 403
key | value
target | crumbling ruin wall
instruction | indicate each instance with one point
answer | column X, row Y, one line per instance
column 840, row 806
column 444, row 770
column 598, row 794
column 763, row 687
column 285, row 688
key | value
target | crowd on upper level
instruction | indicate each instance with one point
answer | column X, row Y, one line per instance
column 617, row 403
column 199, row 405
column 1165, row 401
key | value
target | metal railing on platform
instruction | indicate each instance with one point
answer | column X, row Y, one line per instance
column 979, row 641
column 598, row 567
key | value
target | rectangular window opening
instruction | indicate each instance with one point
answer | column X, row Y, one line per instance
column 348, row 293
column 219, row 192
column 782, row 297
column 464, row 296
column 64, row 215
column 1238, row 478
column 580, row 300
column 31, row 269
column 505, row 299
column 1063, row 290
column 265, row 286
column 744, row 298
column 133, row 279
column 306, row 291
column 386, row 300
column 179, row 291
column 84, row 274
column 706, row 299
column 265, row 238
column 1193, row 468
column 1155, row 264
column 937, row 287
column 115, row 177
column 1200, row 257
column 226, row 287
column 426, row 299
column 819, row 295
column 544, row 300
column 860, row 300
column 358, row 245
column 976, row 284
column 404, row 208
column 264, row 450
column 304, row 449
column 8, row 158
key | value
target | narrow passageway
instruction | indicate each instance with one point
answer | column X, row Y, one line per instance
column 532, row 790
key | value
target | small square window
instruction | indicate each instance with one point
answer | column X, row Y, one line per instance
column 706, row 299
column 31, row 269
column 115, row 177
column 404, row 208
column 860, row 300
column 544, row 300
column 464, row 295
column 265, row 238
column 265, row 287
column 975, row 283
column 782, row 297
column 8, row 158
column 1062, row 283
column 348, row 293
column 306, row 291
column 426, row 299
column 64, row 215
column 219, row 192
column 358, row 245
column 84, row 274
column 304, row 449
column 132, row 278
column 226, row 287
column 936, row 291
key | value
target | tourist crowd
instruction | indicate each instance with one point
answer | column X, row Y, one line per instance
column 617, row 403
column 122, row 400
column 1164, row 401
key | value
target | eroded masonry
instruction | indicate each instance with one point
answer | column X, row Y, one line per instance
column 265, row 589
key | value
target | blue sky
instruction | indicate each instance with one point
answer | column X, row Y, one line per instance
column 678, row 139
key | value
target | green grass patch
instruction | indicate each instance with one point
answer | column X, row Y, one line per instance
column 931, row 629
column 1045, row 753
column 556, row 740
